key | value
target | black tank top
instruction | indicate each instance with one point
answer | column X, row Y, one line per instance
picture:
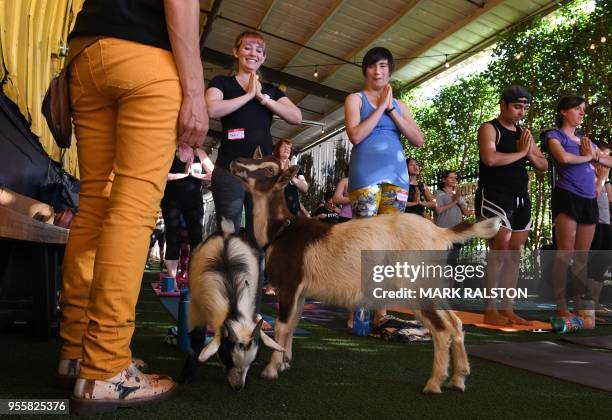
column 419, row 208
column 510, row 178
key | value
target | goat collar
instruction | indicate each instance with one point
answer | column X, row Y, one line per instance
column 278, row 233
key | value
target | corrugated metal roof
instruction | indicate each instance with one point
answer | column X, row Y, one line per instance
column 332, row 33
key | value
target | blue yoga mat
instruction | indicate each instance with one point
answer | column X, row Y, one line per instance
column 171, row 304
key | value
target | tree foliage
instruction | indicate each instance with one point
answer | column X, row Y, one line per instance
column 552, row 57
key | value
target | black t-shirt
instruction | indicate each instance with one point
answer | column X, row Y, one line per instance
column 141, row 21
column 249, row 126
column 332, row 216
column 510, row 178
column 292, row 196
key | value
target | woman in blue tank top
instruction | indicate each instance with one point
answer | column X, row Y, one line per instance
column 378, row 176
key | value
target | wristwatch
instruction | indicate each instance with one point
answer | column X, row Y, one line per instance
column 388, row 111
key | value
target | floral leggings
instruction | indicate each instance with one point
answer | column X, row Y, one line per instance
column 378, row 199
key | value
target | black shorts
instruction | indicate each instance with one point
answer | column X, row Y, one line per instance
column 583, row 210
column 514, row 210
column 600, row 257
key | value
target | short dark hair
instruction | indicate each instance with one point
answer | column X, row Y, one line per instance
column 567, row 102
column 374, row 56
column 328, row 195
column 515, row 93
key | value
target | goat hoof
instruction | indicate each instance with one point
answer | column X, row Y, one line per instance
column 269, row 373
column 457, row 384
column 432, row 388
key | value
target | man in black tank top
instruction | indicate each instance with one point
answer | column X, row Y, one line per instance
column 502, row 192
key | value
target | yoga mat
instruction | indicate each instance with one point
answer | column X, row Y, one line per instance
column 570, row 363
column 601, row 342
column 172, row 304
column 156, row 286
column 472, row 318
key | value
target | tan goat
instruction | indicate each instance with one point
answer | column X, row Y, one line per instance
column 301, row 254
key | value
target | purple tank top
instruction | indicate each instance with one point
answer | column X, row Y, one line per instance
column 576, row 178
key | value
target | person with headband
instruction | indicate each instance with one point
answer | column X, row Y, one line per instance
column 505, row 150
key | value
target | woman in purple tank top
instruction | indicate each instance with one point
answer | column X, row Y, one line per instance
column 574, row 205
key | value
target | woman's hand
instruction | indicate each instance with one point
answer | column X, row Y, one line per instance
column 252, row 87
column 385, row 97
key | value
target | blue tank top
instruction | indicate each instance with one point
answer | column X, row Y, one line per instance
column 379, row 158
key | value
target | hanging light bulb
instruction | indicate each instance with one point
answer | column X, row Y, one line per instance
column 573, row 20
column 592, row 46
column 517, row 56
column 603, row 39
column 446, row 64
column 316, row 73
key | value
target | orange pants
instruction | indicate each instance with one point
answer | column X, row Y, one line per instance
column 125, row 98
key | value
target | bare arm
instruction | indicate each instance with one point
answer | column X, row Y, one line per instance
column 430, row 200
column 536, row 157
column 356, row 130
column 300, row 182
column 182, row 22
column 219, row 107
column 562, row 156
column 338, row 197
column 283, row 107
column 407, row 126
column 488, row 154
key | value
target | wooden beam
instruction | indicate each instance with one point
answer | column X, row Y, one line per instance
column 451, row 30
column 210, row 18
column 278, row 76
column 264, row 19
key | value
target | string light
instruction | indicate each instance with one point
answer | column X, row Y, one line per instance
column 573, row 20
column 592, row 46
column 603, row 39
column 517, row 56
column 316, row 73
column 446, row 64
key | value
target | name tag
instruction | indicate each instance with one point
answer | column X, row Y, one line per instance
column 235, row 134
column 401, row 197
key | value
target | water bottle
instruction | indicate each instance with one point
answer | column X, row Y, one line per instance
column 167, row 284
column 564, row 325
column 587, row 312
column 182, row 340
column 361, row 322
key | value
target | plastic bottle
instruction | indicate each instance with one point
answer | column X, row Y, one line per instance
column 168, row 284
column 361, row 322
column 587, row 312
column 564, row 325
column 182, row 340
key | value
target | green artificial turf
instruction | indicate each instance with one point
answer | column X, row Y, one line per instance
column 333, row 376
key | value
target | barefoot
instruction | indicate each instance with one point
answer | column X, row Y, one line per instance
column 495, row 318
column 515, row 319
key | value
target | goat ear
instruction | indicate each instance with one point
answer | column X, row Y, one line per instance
column 287, row 176
column 257, row 154
column 210, row 349
column 269, row 342
column 257, row 329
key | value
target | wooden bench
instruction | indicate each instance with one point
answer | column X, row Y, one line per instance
column 31, row 255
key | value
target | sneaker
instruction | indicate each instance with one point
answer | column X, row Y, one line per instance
column 129, row 388
column 68, row 370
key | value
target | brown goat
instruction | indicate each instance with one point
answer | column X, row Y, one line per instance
column 301, row 254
